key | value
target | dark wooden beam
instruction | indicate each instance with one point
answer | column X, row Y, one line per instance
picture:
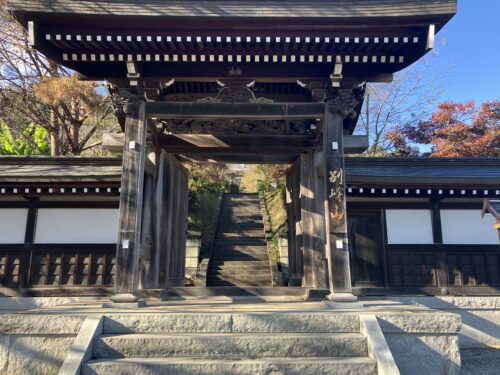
column 355, row 144
column 264, row 111
column 203, row 143
column 240, row 158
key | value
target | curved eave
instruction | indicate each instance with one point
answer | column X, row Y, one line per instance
column 326, row 9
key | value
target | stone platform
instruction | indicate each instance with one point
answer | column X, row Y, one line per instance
column 36, row 339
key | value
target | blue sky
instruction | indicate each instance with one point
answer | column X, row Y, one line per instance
column 471, row 53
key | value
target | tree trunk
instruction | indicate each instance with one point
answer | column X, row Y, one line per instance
column 55, row 137
column 74, row 130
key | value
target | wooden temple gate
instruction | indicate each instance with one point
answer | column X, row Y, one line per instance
column 217, row 81
column 153, row 206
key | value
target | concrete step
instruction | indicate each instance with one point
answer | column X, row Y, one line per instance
column 241, row 270
column 282, row 322
column 261, row 366
column 253, row 345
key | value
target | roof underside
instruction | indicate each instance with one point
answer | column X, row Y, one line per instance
column 262, row 40
column 360, row 171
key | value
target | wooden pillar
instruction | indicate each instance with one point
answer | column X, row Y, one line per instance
column 340, row 105
column 295, row 268
column 312, row 223
column 146, row 255
column 306, row 196
column 320, row 265
column 131, row 201
column 160, row 215
column 175, row 251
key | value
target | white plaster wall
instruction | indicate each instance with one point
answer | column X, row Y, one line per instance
column 468, row 227
column 77, row 225
column 409, row 227
column 13, row 225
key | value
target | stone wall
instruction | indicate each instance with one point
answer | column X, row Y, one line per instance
column 423, row 342
column 36, row 344
column 480, row 317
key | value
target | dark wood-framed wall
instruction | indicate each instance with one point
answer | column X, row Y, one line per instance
column 437, row 268
column 33, row 269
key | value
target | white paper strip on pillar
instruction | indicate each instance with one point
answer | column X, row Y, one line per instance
column 13, row 225
column 466, row 227
column 409, row 227
column 79, row 225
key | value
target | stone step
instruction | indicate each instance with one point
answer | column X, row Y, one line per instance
column 239, row 267
column 265, row 322
column 240, row 249
column 261, row 366
column 254, row 345
column 240, row 257
column 239, row 238
column 245, row 278
column 240, row 284
column 242, row 241
column 257, row 294
column 227, row 274
column 247, row 219
column 257, row 232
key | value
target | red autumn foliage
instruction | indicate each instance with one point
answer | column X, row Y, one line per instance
column 454, row 130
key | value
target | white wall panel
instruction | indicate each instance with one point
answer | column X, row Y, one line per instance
column 77, row 225
column 409, row 227
column 467, row 227
column 13, row 225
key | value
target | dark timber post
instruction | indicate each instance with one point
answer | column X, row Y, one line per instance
column 131, row 202
column 340, row 105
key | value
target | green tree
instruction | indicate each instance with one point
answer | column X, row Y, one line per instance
column 32, row 141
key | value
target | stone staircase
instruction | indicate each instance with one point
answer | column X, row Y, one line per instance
column 239, row 256
column 231, row 343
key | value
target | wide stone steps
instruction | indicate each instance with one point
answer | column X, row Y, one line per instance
column 242, row 249
column 241, row 257
column 241, row 233
column 240, row 240
column 231, row 264
column 239, row 284
column 230, row 345
column 261, row 276
column 282, row 322
column 261, row 366
column 248, row 241
column 209, row 345
column 240, row 280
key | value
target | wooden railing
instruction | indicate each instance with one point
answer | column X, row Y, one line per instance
column 443, row 265
column 57, row 265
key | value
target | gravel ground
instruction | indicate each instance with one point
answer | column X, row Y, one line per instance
column 480, row 361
